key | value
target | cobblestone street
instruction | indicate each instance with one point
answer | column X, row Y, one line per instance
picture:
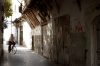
column 24, row 57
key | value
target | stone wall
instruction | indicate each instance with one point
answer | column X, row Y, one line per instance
column 37, row 40
column 75, row 41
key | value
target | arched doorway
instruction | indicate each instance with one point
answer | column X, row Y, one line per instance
column 95, row 41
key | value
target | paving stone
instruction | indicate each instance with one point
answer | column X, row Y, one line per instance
column 25, row 57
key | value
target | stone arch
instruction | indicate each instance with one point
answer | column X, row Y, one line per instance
column 93, row 39
column 96, row 20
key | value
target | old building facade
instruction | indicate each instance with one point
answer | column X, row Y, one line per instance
column 66, row 32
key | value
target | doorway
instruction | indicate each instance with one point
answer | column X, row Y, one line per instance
column 95, row 42
column 62, row 31
column 98, row 45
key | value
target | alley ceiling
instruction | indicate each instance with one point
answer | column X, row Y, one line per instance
column 35, row 10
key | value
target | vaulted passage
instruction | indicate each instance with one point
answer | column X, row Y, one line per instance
column 49, row 32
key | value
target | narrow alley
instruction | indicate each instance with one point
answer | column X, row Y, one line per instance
column 50, row 32
column 24, row 57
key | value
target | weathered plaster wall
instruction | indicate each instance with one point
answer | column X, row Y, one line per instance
column 75, row 22
column 80, row 24
column 76, row 46
column 27, row 35
column 50, row 39
column 81, row 45
column 37, row 39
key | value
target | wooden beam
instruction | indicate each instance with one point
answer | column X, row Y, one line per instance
column 45, row 9
column 32, row 19
column 49, row 7
column 28, row 20
column 39, row 14
column 42, row 17
column 44, row 23
column 35, row 12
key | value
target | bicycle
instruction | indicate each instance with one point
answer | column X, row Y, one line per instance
column 14, row 49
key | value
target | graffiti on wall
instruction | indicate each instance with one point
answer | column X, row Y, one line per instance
column 78, row 27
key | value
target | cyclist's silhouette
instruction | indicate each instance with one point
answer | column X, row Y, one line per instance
column 11, row 43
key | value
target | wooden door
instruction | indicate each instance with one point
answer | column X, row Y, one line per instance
column 66, row 39
column 62, row 29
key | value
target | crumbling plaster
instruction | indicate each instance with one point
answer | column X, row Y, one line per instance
column 80, row 25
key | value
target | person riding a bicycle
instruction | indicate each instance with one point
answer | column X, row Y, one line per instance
column 11, row 43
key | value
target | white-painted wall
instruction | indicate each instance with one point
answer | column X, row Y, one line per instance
column 27, row 36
